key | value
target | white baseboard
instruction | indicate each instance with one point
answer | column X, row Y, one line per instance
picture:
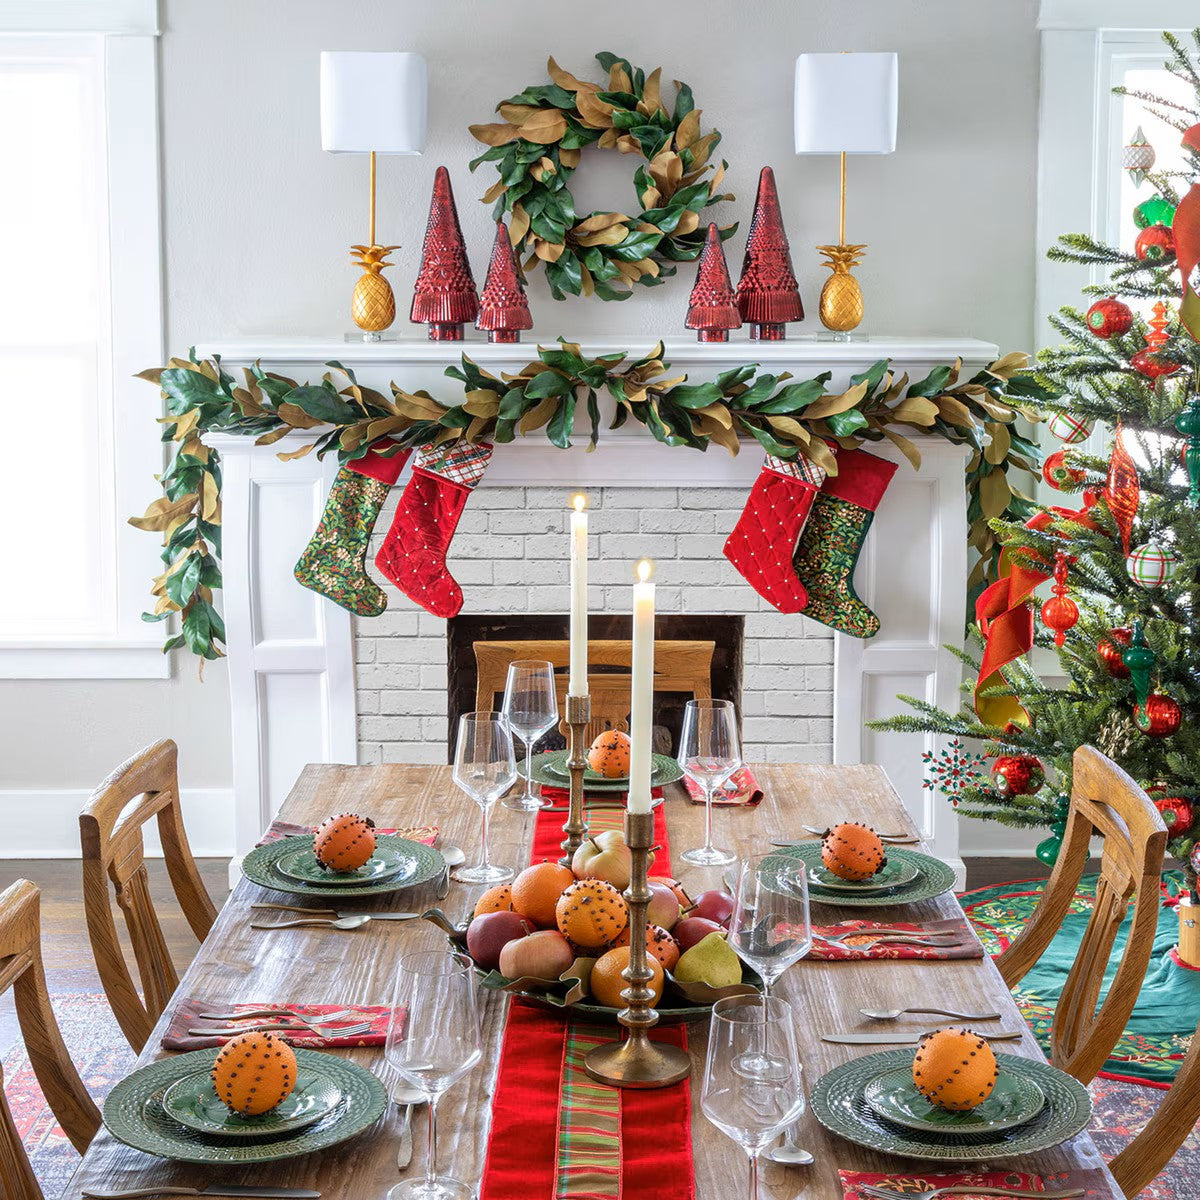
column 44, row 822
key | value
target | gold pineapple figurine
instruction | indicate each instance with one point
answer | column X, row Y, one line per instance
column 373, row 306
column 841, row 306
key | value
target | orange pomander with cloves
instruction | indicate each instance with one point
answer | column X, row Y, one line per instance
column 591, row 913
column 609, row 754
column 954, row 1069
column 344, row 842
column 253, row 1073
column 852, row 851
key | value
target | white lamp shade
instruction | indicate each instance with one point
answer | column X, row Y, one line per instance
column 846, row 102
column 373, row 100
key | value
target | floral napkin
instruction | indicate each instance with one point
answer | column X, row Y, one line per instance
column 186, row 1016
column 426, row 834
column 966, row 946
column 904, row 1185
column 741, row 788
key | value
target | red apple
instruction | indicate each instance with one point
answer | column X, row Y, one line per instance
column 713, row 906
column 663, row 907
column 691, row 930
column 488, row 934
column 542, row 955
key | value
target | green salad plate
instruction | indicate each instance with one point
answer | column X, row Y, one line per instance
column 418, row 863
column 1014, row 1100
column 551, row 769
column 192, row 1101
column 839, row 1101
column 134, row 1112
column 894, row 873
column 933, row 878
column 386, row 863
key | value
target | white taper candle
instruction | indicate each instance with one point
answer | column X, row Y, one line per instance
column 641, row 701
column 577, row 683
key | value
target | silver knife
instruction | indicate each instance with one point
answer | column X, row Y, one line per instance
column 905, row 1039
column 269, row 1193
column 341, row 913
column 404, row 1152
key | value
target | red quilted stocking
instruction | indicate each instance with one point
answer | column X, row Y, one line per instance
column 764, row 538
column 413, row 554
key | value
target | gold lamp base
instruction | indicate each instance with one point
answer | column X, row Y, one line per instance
column 373, row 305
column 841, row 305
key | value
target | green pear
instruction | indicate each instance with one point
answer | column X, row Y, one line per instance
column 712, row 961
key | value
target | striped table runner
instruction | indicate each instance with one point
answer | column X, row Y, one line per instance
column 557, row 1134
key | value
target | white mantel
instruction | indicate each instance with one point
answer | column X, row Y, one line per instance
column 292, row 653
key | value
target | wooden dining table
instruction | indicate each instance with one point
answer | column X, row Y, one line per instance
column 323, row 966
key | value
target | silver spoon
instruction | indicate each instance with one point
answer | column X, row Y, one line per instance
column 789, row 1152
column 406, row 1098
column 892, row 1013
column 340, row 923
column 454, row 855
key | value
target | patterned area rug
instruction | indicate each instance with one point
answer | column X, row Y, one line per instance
column 1159, row 1031
column 104, row 1057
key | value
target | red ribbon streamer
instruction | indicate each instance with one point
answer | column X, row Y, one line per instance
column 1185, row 226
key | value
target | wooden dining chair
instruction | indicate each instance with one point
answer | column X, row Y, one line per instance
column 680, row 666
column 110, row 828
column 1176, row 1115
column 21, row 970
column 1106, row 803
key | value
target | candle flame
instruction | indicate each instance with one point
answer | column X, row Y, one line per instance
column 579, row 502
column 645, row 569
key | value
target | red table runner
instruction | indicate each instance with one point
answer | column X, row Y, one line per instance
column 556, row 1133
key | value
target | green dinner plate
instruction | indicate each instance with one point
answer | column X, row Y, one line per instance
column 1015, row 1099
column 838, row 1101
column 934, row 878
column 421, row 863
column 385, row 863
column 134, row 1113
column 894, row 873
column 193, row 1101
column 551, row 769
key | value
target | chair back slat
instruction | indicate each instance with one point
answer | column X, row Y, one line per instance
column 111, row 831
column 21, row 970
column 1105, row 802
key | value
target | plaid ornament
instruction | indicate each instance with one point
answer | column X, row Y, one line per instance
column 1151, row 565
column 1069, row 429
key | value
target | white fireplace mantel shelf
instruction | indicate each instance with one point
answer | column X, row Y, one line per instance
column 623, row 456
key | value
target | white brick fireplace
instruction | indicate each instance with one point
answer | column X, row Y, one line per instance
column 309, row 683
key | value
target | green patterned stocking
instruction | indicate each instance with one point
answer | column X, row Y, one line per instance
column 833, row 537
column 332, row 564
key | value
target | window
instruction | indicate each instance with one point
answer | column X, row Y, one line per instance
column 80, row 313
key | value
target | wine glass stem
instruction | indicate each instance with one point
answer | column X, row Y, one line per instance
column 753, row 1190
column 487, row 860
column 529, row 770
column 431, row 1148
column 708, row 801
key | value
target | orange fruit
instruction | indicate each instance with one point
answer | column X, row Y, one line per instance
column 659, row 945
column 606, row 983
column 591, row 913
column 344, row 842
column 536, row 890
column 852, row 851
column 253, row 1073
column 954, row 1069
column 495, row 899
column 609, row 755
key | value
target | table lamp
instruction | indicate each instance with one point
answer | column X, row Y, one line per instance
column 372, row 102
column 845, row 104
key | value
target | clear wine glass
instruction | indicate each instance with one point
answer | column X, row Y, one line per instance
column 770, row 927
column 532, row 710
column 433, row 1040
column 751, row 1107
column 709, row 754
column 484, row 767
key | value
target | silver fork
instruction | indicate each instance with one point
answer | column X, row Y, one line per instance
column 868, row 1189
column 893, row 940
column 319, row 1030
column 885, row 932
column 266, row 1011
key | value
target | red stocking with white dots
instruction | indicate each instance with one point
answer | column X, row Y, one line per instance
column 413, row 554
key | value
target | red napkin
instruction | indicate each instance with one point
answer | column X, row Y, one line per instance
column 968, row 946
column 186, row 1016
column 425, row 834
column 904, row 1184
column 741, row 788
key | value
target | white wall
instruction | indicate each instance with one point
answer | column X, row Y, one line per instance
column 257, row 220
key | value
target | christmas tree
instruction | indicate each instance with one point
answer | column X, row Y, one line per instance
column 1122, row 548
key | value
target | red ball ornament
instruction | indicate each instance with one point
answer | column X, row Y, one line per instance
column 1058, row 475
column 1160, row 717
column 1155, row 243
column 1018, row 774
column 1109, row 318
column 1111, row 648
column 1176, row 814
column 1151, row 364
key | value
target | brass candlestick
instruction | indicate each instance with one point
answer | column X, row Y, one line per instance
column 579, row 714
column 638, row 1062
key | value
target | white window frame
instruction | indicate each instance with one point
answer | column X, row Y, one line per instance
column 129, row 31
